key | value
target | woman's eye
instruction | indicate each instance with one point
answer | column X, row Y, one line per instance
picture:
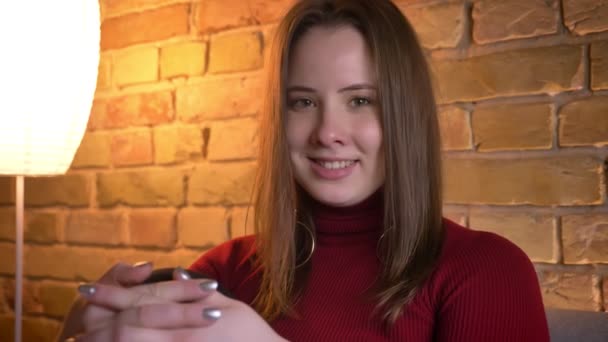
column 300, row 103
column 360, row 101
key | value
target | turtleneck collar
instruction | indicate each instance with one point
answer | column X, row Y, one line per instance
column 342, row 224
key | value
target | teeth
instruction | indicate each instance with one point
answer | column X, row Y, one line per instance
column 336, row 164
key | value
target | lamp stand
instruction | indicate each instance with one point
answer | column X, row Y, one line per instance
column 19, row 258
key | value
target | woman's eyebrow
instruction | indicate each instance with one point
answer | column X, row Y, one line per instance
column 357, row 86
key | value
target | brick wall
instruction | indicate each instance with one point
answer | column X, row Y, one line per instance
column 165, row 169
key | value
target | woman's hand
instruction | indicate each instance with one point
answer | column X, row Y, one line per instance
column 120, row 274
column 189, row 315
column 106, row 302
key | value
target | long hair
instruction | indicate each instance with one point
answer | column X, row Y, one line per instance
column 412, row 188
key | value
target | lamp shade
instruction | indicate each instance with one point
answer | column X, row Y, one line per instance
column 48, row 73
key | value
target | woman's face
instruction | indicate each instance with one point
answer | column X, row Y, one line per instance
column 333, row 127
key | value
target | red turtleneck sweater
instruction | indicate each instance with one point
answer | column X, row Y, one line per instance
column 483, row 288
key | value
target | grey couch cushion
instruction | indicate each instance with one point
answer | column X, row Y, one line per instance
column 577, row 326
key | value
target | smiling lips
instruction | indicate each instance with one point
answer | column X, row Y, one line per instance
column 333, row 169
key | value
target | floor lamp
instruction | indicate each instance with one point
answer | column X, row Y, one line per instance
column 48, row 73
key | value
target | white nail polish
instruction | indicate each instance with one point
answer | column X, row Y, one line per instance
column 209, row 285
column 87, row 290
column 180, row 274
column 212, row 314
column 141, row 264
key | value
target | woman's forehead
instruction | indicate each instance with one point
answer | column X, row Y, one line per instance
column 336, row 55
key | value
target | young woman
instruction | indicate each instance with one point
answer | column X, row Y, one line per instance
column 350, row 243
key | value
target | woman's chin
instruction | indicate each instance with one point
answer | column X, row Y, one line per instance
column 335, row 198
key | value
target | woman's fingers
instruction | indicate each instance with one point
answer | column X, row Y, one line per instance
column 133, row 274
column 171, row 315
column 180, row 274
column 119, row 298
column 118, row 333
column 127, row 275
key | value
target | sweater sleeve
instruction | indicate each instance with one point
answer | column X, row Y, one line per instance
column 491, row 293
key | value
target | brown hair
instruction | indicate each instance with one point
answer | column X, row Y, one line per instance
column 412, row 188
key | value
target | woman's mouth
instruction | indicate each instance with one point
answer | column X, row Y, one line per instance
column 333, row 169
column 335, row 164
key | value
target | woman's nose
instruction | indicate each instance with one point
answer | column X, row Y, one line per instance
column 330, row 129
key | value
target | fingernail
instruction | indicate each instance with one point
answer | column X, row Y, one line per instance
column 180, row 274
column 209, row 285
column 141, row 264
column 212, row 314
column 87, row 290
column 71, row 339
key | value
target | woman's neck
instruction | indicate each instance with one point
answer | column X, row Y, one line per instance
column 359, row 221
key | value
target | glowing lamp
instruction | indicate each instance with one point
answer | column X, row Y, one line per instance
column 48, row 73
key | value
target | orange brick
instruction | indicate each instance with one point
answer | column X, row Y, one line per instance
column 7, row 190
column 241, row 221
column 455, row 129
column 133, row 66
column 97, row 115
column 7, row 323
column 57, row 298
column 114, row 8
column 31, row 296
column 148, row 26
column 533, row 71
column 455, row 216
column 132, row 148
column 6, row 297
column 94, row 151
column 567, row 290
column 586, row 16
column 139, row 110
column 37, row 329
column 267, row 11
column 202, row 227
column 437, row 26
column 538, row 181
column 183, row 59
column 152, row 228
column 71, row 189
column 89, row 263
column 232, row 184
column 599, row 65
column 532, row 232
column 232, row 52
column 31, row 301
column 233, row 139
column 175, row 144
column 505, row 20
column 7, row 255
column 104, row 72
column 95, row 227
column 605, row 292
column 42, row 227
column 218, row 98
column 584, row 122
column 216, row 15
column 585, row 238
column 7, row 224
column 143, row 188
column 513, row 127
